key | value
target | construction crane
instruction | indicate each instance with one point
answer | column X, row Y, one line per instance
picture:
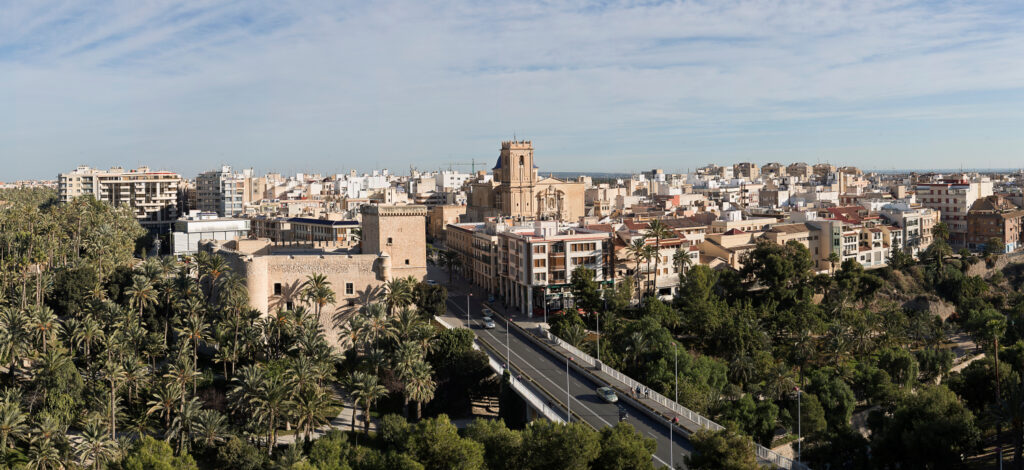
column 472, row 164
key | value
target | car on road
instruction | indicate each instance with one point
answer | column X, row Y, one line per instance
column 607, row 394
column 489, row 323
column 490, row 299
column 431, row 282
column 486, row 312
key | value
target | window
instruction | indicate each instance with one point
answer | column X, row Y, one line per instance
column 406, row 261
column 540, row 249
column 522, row 160
column 540, row 263
column 540, row 277
column 349, row 288
column 277, row 288
column 389, row 240
column 289, row 305
column 584, row 247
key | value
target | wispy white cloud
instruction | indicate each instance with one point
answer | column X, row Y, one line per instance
column 602, row 86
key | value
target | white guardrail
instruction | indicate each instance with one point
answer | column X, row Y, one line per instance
column 762, row 452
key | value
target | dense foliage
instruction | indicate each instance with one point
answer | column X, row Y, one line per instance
column 853, row 342
column 110, row 360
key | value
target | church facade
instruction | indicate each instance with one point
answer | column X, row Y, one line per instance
column 517, row 191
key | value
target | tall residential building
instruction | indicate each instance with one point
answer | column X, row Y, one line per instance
column 953, row 198
column 152, row 195
column 222, row 191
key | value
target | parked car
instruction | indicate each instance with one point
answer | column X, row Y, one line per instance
column 607, row 394
column 489, row 323
column 431, row 282
column 487, row 313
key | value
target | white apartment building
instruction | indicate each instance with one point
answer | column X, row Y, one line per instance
column 915, row 222
column 535, row 264
column 152, row 195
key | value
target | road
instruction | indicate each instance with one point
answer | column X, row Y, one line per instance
column 549, row 371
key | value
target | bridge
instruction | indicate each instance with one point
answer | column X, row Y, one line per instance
column 559, row 382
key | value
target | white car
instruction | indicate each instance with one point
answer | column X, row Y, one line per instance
column 489, row 323
column 607, row 394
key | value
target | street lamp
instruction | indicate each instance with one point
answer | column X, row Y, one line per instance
column 468, row 295
column 508, row 350
column 568, row 397
column 799, row 444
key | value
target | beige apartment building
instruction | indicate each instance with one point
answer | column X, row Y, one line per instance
column 953, row 199
column 152, row 195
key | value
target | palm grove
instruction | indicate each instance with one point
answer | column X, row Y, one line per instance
column 850, row 341
column 111, row 361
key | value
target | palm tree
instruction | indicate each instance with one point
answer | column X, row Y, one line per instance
column 114, row 374
column 185, row 426
column 682, row 260
column 638, row 250
column 213, row 269
column 407, row 324
column 94, row 445
column 211, row 427
column 406, row 357
column 420, row 386
column 45, row 326
column 271, row 404
column 142, row 293
column 449, row 259
column 181, row 374
column 44, row 455
column 14, row 335
column 193, row 330
column 378, row 327
column 309, row 408
column 165, row 400
column 397, row 294
column 366, row 388
column 13, row 424
column 88, row 333
column 317, row 290
column 658, row 231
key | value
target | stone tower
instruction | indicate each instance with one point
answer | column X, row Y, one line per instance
column 400, row 233
column 517, row 176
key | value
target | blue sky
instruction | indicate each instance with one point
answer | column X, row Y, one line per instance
column 598, row 86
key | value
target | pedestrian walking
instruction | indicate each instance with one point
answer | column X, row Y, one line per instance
column 647, row 393
column 636, row 392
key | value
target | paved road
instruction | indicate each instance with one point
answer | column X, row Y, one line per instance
column 549, row 372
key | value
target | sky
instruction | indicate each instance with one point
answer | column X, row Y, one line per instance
column 602, row 86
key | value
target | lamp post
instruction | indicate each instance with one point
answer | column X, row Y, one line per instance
column 508, row 350
column 799, row 444
column 468, row 295
column 568, row 396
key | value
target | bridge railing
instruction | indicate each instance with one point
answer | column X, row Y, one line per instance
column 530, row 394
column 762, row 452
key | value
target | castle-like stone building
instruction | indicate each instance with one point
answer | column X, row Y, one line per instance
column 393, row 246
column 517, row 192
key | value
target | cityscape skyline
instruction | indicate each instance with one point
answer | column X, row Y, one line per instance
column 612, row 87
